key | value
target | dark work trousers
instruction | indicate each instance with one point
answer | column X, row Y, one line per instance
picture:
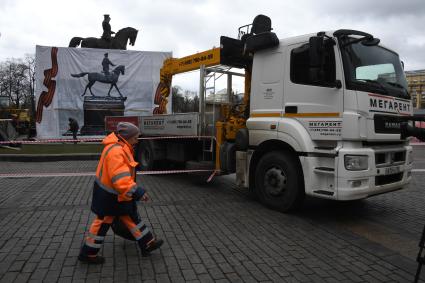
column 100, row 227
column 74, row 136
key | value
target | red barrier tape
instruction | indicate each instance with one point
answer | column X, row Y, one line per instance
column 46, row 141
column 212, row 176
column 35, row 175
column 50, row 141
column 173, row 172
column 76, row 174
column 177, row 137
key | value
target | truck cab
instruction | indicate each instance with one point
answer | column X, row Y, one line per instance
column 322, row 115
column 325, row 115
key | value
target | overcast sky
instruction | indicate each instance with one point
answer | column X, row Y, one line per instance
column 188, row 26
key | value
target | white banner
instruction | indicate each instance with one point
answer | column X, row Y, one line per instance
column 59, row 96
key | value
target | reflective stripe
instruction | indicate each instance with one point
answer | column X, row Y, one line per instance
column 128, row 157
column 93, row 245
column 116, row 177
column 96, row 238
column 138, row 237
column 131, row 191
column 145, row 231
column 103, row 187
column 137, row 227
column 104, row 156
column 119, row 176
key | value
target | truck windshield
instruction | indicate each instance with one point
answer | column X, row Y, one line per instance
column 373, row 69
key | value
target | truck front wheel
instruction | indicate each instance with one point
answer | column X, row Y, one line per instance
column 279, row 181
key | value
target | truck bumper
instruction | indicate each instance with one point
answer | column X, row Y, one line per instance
column 389, row 170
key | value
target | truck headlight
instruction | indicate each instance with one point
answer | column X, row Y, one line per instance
column 356, row 162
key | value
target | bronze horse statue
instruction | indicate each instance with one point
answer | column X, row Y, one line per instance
column 111, row 78
column 118, row 42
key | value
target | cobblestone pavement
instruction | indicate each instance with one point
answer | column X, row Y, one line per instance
column 212, row 233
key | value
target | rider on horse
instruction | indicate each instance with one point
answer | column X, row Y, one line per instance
column 106, row 28
column 105, row 64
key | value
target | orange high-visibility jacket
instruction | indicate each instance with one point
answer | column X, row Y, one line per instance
column 116, row 169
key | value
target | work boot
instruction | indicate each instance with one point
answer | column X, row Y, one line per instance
column 91, row 259
column 153, row 245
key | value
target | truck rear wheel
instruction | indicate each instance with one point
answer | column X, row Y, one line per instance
column 146, row 156
column 279, row 181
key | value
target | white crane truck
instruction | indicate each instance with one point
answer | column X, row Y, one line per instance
column 320, row 116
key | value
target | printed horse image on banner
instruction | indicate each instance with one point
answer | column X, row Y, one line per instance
column 111, row 79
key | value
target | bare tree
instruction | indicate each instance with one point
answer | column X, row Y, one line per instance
column 184, row 100
column 30, row 62
column 195, row 103
column 177, row 99
column 17, row 81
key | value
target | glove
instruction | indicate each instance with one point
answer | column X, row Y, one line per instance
column 138, row 194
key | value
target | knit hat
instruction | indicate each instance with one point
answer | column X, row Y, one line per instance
column 127, row 130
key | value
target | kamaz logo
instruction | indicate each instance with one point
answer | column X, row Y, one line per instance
column 392, row 125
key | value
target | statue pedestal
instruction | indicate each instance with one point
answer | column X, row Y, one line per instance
column 95, row 109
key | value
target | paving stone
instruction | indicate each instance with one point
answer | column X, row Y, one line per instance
column 205, row 278
column 162, row 278
column 21, row 278
column 213, row 233
column 39, row 274
column 216, row 273
column 189, row 274
column 52, row 276
column 199, row 268
column 9, row 276
column 17, row 266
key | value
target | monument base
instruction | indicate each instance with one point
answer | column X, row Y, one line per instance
column 96, row 108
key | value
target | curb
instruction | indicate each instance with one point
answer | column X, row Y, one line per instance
column 48, row 157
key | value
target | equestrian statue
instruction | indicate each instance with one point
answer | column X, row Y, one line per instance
column 120, row 40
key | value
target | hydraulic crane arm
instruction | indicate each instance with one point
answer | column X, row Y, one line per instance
column 232, row 52
column 173, row 66
column 207, row 58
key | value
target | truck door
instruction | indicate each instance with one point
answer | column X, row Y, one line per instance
column 267, row 87
column 313, row 94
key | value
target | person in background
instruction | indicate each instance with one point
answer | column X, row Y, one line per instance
column 115, row 193
column 73, row 128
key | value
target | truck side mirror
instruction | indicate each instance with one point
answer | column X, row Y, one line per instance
column 370, row 41
column 315, row 58
column 338, row 84
column 316, row 51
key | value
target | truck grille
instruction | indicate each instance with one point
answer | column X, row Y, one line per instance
column 386, row 124
column 388, row 179
column 389, row 158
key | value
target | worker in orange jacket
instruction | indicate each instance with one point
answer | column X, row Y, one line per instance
column 115, row 193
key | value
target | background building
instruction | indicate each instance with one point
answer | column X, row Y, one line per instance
column 416, row 85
